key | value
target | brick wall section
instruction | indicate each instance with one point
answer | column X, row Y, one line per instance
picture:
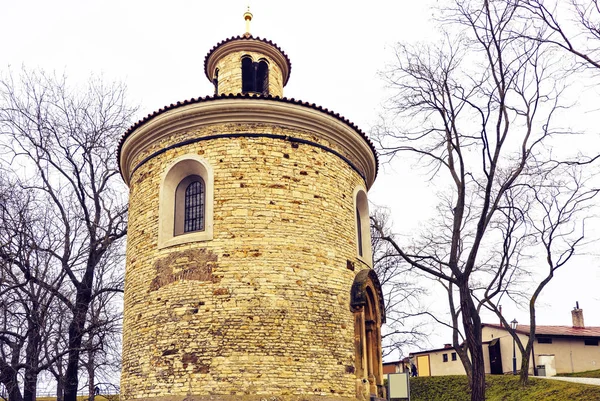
column 263, row 308
column 230, row 73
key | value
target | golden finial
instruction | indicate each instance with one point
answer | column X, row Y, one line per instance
column 248, row 18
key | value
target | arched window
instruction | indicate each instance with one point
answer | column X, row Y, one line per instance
column 363, row 237
column 262, row 77
column 194, row 206
column 186, row 202
column 248, row 76
column 255, row 76
column 359, row 233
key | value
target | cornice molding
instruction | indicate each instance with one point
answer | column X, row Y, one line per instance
column 251, row 111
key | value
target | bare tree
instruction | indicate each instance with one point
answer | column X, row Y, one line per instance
column 478, row 112
column 401, row 291
column 61, row 145
column 27, row 308
column 577, row 32
column 552, row 213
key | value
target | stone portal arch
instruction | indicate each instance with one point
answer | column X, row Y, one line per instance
column 367, row 304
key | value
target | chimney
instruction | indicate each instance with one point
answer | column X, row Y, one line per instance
column 577, row 315
column 500, row 308
column 447, row 345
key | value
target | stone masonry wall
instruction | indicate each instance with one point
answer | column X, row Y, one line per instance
column 230, row 73
column 263, row 308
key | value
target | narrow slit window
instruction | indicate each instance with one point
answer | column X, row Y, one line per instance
column 359, row 233
column 216, row 81
column 194, row 207
column 262, row 78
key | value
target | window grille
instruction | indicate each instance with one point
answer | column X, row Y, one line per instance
column 194, row 207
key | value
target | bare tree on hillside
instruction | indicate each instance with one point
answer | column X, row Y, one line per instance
column 61, row 143
column 479, row 111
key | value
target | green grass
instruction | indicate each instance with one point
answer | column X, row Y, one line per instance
column 500, row 388
column 590, row 373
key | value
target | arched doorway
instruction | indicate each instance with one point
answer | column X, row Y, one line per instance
column 368, row 308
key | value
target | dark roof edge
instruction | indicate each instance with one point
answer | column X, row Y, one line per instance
column 248, row 37
column 246, row 96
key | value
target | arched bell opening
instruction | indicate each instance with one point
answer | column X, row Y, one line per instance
column 255, row 76
column 368, row 309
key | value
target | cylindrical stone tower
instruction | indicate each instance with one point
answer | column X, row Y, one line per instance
column 248, row 257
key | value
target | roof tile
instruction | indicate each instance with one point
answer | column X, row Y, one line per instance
column 592, row 331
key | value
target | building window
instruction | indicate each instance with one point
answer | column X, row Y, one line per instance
column 591, row 341
column 262, row 77
column 544, row 340
column 363, row 239
column 445, row 357
column 185, row 210
column 359, row 233
column 194, row 206
column 454, row 356
column 248, row 78
column 255, row 76
column 216, row 81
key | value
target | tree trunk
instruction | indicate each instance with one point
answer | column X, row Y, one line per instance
column 60, row 388
column 524, row 374
column 31, row 357
column 472, row 327
column 91, row 377
column 29, row 385
column 76, row 330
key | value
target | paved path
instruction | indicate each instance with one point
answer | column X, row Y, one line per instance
column 583, row 380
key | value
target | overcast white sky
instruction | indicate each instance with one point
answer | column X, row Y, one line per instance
column 336, row 49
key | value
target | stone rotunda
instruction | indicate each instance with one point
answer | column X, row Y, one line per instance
column 249, row 269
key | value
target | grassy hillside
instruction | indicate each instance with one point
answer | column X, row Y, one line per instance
column 590, row 373
column 500, row 388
